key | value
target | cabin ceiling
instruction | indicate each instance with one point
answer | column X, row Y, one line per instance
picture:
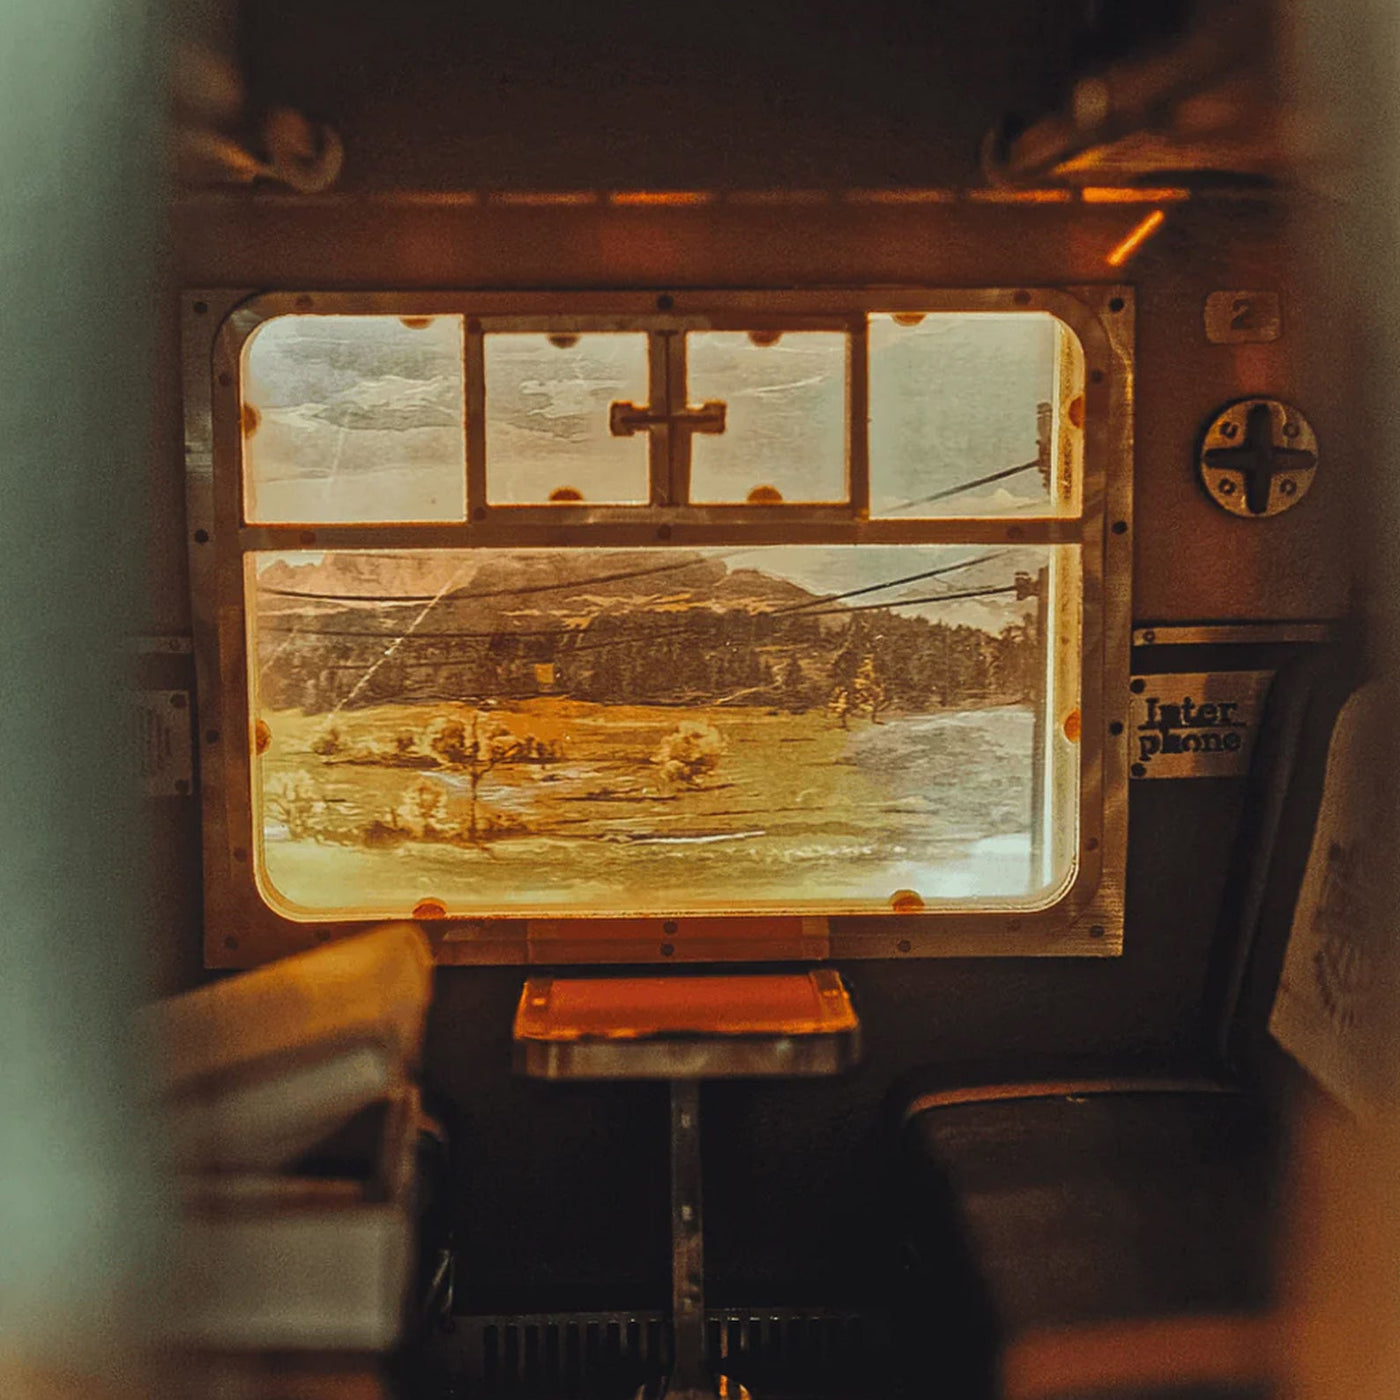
column 557, row 94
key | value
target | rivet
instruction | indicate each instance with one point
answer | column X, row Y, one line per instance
column 1137, row 685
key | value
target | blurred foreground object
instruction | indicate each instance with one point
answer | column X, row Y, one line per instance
column 1198, row 103
column 82, row 1220
column 295, row 1124
column 218, row 144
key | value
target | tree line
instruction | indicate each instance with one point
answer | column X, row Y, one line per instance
column 890, row 660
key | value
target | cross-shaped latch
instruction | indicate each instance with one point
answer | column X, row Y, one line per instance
column 624, row 419
column 1271, row 446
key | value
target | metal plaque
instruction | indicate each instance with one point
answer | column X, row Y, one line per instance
column 163, row 740
column 1195, row 725
column 1258, row 458
column 1233, row 318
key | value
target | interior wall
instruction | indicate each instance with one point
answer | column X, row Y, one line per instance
column 561, row 1190
column 575, row 1178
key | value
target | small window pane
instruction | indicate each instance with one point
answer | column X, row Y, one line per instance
column 548, row 437
column 354, row 419
column 819, row 728
column 785, row 434
column 969, row 415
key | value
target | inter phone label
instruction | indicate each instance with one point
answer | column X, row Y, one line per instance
column 1196, row 725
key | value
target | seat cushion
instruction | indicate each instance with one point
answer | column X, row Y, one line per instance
column 1092, row 1207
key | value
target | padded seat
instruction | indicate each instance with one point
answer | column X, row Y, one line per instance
column 1096, row 1207
column 1061, row 1209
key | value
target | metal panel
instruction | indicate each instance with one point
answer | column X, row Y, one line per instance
column 1195, row 725
column 1234, row 633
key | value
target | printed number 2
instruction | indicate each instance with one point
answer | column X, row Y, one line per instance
column 1243, row 315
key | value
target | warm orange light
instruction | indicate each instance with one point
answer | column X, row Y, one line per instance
column 1021, row 196
column 661, row 197
column 543, row 198
column 1139, row 235
column 779, row 196
column 1114, row 194
column 900, row 196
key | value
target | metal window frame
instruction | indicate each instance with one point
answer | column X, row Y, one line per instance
column 242, row 929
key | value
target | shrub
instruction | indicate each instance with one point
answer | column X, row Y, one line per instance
column 689, row 753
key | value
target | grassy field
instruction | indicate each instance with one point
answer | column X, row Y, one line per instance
column 788, row 809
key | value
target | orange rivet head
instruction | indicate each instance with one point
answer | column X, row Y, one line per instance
column 765, row 496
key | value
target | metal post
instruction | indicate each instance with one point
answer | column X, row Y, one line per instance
column 690, row 1380
column 1040, row 732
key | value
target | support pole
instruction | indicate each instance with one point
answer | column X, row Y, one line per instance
column 690, row 1380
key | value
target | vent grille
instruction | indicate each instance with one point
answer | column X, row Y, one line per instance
column 558, row 1356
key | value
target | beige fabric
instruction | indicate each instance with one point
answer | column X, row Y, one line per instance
column 258, row 1068
column 1334, row 1008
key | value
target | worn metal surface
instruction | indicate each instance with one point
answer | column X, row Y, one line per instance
column 1223, row 634
column 1197, row 725
column 1239, row 318
column 242, row 928
column 793, row 1025
column 163, row 734
column 1258, row 458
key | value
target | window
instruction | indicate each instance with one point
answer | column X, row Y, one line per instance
column 590, row 617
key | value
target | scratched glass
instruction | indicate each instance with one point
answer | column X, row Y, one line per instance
column 974, row 414
column 353, row 419
column 785, row 428
column 760, row 729
column 549, row 435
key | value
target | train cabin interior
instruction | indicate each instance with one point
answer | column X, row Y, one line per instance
column 699, row 700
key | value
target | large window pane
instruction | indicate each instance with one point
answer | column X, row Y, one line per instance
column 969, row 415
column 630, row 731
column 354, row 419
column 548, row 437
column 786, row 433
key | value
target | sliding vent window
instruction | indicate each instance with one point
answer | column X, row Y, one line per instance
column 974, row 415
column 354, row 420
column 555, row 410
column 783, row 397
column 736, row 729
